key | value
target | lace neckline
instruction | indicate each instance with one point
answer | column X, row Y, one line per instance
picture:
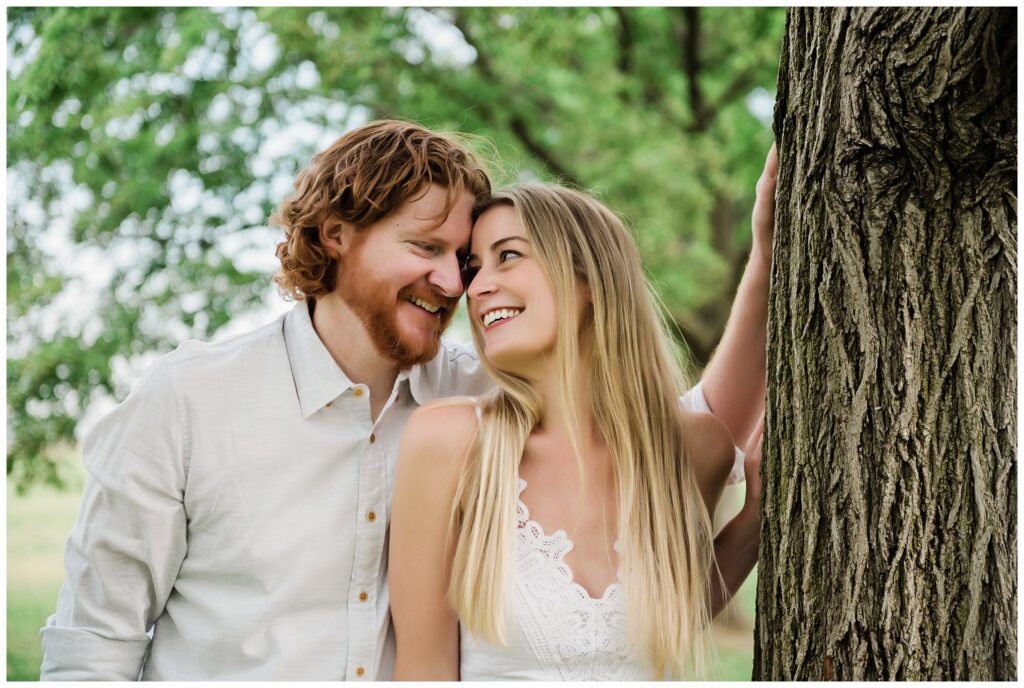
column 558, row 544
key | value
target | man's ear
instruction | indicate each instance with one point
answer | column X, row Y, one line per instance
column 335, row 236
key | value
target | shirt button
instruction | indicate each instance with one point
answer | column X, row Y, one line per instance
column 358, row 391
column 363, row 597
column 373, row 438
column 360, row 671
column 371, row 516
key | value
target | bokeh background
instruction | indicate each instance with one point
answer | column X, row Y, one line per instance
column 146, row 149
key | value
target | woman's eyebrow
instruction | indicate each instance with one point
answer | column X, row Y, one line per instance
column 499, row 242
column 496, row 244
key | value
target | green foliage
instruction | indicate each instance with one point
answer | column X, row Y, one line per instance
column 118, row 116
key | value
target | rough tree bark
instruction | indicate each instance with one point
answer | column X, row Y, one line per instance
column 889, row 528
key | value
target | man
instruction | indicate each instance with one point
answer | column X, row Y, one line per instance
column 234, row 525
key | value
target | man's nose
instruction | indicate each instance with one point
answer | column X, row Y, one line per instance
column 448, row 277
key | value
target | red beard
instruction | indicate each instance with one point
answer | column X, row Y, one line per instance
column 369, row 300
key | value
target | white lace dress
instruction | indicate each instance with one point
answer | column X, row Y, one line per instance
column 558, row 632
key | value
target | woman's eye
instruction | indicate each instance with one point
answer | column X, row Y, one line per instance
column 506, row 254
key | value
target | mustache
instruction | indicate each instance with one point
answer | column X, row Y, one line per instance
column 446, row 302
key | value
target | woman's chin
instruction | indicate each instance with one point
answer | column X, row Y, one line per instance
column 519, row 361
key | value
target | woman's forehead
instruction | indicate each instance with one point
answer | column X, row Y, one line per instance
column 495, row 223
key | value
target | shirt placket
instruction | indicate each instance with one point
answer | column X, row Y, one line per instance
column 363, row 587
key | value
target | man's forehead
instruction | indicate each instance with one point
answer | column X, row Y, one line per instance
column 435, row 197
column 450, row 229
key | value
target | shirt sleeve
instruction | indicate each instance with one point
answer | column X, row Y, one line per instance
column 694, row 401
column 125, row 550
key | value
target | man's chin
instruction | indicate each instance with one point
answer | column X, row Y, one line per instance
column 419, row 332
column 408, row 358
column 418, row 349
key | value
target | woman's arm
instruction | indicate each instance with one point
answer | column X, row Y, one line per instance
column 435, row 445
column 734, row 380
column 736, row 547
column 712, row 459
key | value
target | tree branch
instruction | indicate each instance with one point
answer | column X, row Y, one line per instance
column 624, row 38
column 687, row 31
column 518, row 127
column 739, row 85
column 516, row 122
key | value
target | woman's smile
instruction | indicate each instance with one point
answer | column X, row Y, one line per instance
column 498, row 316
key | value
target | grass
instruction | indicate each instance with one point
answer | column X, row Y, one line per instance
column 38, row 523
column 734, row 642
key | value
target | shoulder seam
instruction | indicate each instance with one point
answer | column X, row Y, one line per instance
column 212, row 348
column 186, row 433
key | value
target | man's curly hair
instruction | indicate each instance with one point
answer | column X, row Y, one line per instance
column 364, row 176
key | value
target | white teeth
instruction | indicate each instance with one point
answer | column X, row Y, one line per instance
column 424, row 305
column 500, row 314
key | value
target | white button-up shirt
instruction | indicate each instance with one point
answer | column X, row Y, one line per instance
column 234, row 524
column 237, row 505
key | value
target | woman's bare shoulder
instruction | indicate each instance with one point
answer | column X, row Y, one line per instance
column 440, row 431
column 441, row 416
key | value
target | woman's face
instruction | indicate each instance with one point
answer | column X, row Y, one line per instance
column 510, row 299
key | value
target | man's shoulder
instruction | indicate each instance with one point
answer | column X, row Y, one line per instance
column 222, row 366
column 455, row 371
column 240, row 348
column 457, row 353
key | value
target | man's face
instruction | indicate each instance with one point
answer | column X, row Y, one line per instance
column 401, row 275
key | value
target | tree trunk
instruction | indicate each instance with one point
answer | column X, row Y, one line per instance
column 889, row 529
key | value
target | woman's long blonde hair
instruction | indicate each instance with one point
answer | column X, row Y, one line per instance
column 635, row 383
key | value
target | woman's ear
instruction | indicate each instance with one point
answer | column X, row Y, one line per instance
column 335, row 235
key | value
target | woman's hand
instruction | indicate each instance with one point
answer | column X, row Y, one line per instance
column 763, row 219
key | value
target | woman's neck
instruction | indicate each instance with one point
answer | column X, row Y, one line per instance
column 554, row 418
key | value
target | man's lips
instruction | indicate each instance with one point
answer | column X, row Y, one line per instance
column 431, row 306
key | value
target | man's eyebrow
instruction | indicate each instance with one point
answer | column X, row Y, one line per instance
column 428, row 234
column 498, row 243
column 421, row 231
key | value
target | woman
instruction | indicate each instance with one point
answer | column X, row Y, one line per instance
column 560, row 528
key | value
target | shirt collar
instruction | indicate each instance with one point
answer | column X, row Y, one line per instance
column 318, row 378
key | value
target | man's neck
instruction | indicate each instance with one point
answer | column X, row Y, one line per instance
column 345, row 337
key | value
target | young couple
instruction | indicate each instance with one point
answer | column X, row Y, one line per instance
column 552, row 492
